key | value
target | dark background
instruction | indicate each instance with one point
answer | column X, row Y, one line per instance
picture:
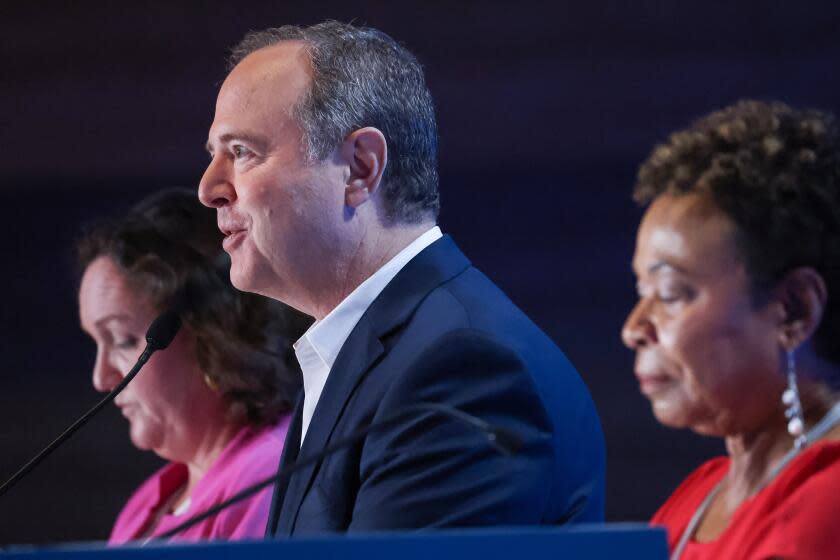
column 545, row 111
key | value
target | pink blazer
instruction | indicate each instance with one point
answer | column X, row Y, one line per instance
column 252, row 455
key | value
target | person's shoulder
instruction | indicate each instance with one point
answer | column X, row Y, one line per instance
column 814, row 472
column 823, row 456
column 470, row 301
column 252, row 455
column 472, row 291
column 470, row 318
column 162, row 482
column 807, row 507
column 458, row 340
column 465, row 350
column 482, row 374
column 259, row 447
column 812, row 482
column 143, row 501
column 463, row 297
column 691, row 492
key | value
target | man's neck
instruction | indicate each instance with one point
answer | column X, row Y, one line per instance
column 374, row 250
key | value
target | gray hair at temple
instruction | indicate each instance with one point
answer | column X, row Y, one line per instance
column 362, row 77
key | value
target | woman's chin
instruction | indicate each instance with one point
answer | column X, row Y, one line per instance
column 673, row 415
column 143, row 440
column 669, row 413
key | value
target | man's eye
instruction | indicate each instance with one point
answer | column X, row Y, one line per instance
column 239, row 151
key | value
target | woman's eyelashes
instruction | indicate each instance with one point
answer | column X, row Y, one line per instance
column 127, row 342
column 667, row 292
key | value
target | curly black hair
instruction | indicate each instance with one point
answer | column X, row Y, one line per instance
column 169, row 248
column 775, row 172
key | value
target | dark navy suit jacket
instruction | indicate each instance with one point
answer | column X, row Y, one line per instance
column 441, row 332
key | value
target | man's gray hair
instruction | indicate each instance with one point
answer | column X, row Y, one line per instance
column 362, row 77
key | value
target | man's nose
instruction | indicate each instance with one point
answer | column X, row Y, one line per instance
column 215, row 189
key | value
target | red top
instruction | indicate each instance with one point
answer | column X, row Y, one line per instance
column 251, row 456
column 797, row 515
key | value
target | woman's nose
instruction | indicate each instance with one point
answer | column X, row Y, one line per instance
column 638, row 330
column 105, row 375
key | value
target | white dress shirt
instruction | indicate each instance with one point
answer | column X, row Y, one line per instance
column 318, row 348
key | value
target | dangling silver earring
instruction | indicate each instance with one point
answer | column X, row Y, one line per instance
column 790, row 398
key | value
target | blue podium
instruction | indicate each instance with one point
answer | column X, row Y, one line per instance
column 623, row 541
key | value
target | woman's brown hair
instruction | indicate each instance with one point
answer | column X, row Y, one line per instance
column 170, row 249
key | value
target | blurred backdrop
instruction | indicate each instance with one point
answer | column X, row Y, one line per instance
column 545, row 110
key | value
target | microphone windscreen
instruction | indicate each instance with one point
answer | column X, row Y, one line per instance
column 163, row 329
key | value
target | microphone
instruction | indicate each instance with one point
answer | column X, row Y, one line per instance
column 506, row 442
column 158, row 336
column 163, row 329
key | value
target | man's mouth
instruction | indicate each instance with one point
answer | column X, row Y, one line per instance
column 233, row 238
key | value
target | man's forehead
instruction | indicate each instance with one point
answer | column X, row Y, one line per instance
column 286, row 63
column 262, row 89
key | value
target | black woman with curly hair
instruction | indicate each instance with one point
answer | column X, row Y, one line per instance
column 737, row 324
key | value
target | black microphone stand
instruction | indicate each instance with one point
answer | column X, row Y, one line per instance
column 160, row 333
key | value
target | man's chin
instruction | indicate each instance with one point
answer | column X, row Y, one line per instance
column 244, row 279
column 238, row 282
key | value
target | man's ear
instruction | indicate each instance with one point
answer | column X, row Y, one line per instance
column 803, row 296
column 365, row 151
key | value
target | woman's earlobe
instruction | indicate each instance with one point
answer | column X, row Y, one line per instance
column 803, row 297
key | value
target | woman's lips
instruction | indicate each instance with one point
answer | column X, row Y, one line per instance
column 233, row 240
column 125, row 409
column 650, row 383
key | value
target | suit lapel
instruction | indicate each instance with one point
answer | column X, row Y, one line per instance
column 287, row 460
column 393, row 307
column 365, row 349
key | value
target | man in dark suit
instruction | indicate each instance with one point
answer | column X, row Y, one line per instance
column 324, row 175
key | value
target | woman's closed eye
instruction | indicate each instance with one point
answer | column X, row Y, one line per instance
column 671, row 294
column 126, row 342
